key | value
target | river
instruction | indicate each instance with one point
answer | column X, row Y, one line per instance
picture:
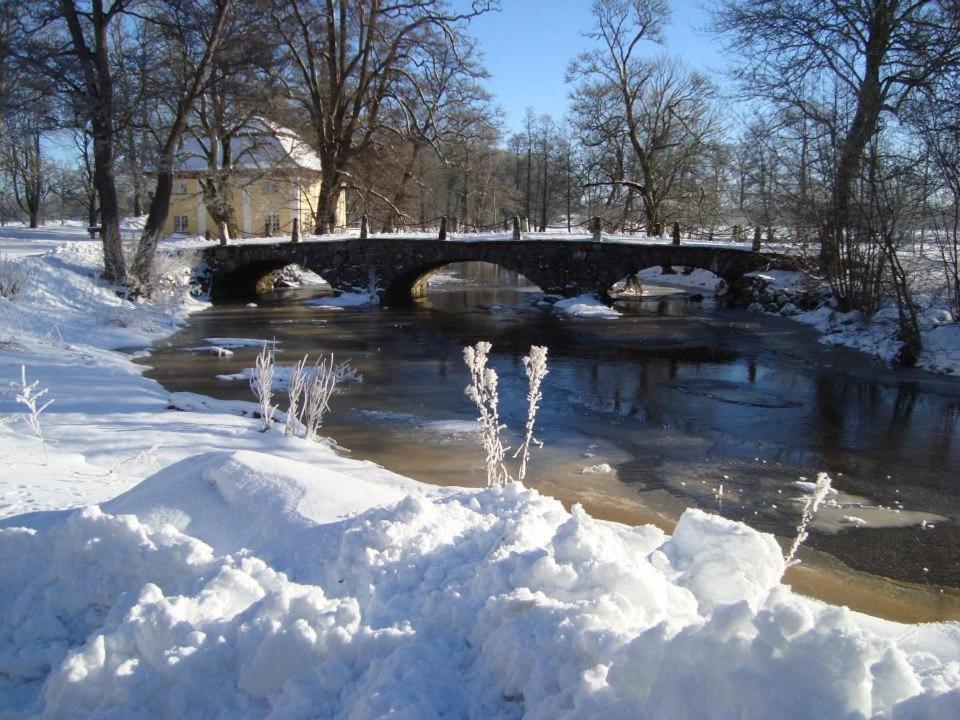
column 678, row 403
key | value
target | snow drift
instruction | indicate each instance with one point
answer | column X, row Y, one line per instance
column 235, row 585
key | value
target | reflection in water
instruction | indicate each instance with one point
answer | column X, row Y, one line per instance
column 678, row 396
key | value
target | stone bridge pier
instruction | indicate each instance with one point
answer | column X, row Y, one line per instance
column 399, row 267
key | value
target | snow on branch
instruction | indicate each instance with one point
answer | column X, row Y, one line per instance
column 31, row 397
column 327, row 376
column 483, row 391
column 535, row 367
column 819, row 494
column 261, row 382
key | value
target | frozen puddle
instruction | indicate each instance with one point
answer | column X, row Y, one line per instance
column 232, row 343
column 734, row 393
column 843, row 511
column 448, row 428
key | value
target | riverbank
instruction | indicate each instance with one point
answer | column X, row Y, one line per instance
column 359, row 590
column 796, row 296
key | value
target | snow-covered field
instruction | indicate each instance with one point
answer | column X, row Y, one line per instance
column 220, row 572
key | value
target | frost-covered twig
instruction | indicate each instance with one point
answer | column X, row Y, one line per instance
column 261, row 382
column 483, row 391
column 141, row 457
column 298, row 385
column 819, row 494
column 328, row 375
column 535, row 367
column 30, row 397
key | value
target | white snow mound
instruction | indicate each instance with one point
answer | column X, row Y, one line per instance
column 240, row 585
column 585, row 306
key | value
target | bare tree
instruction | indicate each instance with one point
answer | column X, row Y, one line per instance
column 658, row 106
column 843, row 65
column 348, row 62
column 83, row 143
column 937, row 117
column 24, row 162
column 236, row 97
column 87, row 71
column 189, row 34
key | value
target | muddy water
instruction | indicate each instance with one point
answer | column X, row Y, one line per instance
column 685, row 403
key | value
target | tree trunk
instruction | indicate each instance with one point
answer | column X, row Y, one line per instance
column 526, row 207
column 92, row 211
column 142, row 269
column 114, row 264
column 543, row 207
column 136, row 173
column 327, row 200
column 850, row 160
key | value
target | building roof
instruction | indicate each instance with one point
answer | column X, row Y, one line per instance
column 262, row 146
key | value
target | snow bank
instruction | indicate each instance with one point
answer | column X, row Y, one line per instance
column 585, row 306
column 494, row 604
column 784, row 293
column 680, row 276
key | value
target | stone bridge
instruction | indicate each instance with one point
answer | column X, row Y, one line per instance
column 399, row 266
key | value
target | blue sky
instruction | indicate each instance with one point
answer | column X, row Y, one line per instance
column 528, row 45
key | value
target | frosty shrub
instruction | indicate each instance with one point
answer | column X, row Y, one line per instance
column 13, row 277
column 324, row 382
column 261, row 382
column 31, row 397
column 535, row 367
column 484, row 393
column 298, row 385
column 819, row 494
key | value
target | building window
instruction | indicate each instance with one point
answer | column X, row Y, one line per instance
column 180, row 188
column 181, row 223
column 272, row 224
column 270, row 187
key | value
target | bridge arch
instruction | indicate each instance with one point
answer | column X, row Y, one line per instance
column 688, row 277
column 413, row 282
column 251, row 279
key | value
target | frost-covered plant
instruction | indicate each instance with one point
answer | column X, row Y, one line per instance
column 13, row 277
column 819, row 494
column 483, row 391
column 327, row 376
column 31, row 397
column 261, row 382
column 535, row 367
column 295, row 392
column 139, row 459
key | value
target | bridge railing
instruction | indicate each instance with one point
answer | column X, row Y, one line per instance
column 521, row 228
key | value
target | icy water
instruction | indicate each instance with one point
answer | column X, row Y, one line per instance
column 685, row 403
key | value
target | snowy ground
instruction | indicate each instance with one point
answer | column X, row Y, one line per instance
column 229, row 573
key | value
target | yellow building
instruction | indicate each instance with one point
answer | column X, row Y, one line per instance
column 275, row 178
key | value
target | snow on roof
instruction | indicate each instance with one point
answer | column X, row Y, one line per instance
column 262, row 146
